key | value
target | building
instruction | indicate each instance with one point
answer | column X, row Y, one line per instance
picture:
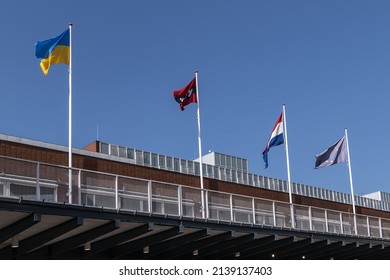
column 124, row 203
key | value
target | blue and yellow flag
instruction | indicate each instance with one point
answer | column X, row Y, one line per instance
column 53, row 51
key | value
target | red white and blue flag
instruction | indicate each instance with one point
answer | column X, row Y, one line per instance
column 186, row 95
column 275, row 139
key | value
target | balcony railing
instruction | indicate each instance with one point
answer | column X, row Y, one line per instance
column 38, row 181
column 236, row 175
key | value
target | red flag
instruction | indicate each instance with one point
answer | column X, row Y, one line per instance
column 186, row 95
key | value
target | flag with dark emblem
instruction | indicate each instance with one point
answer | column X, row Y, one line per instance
column 186, row 95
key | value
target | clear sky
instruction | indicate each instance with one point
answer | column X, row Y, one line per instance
column 328, row 61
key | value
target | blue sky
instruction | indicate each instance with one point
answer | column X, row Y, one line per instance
column 328, row 61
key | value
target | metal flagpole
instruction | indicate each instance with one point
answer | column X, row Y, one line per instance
column 70, row 114
column 351, row 183
column 200, row 146
column 288, row 168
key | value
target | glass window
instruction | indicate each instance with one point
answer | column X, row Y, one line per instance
column 239, row 176
column 234, row 175
column 114, row 150
column 161, row 161
column 104, row 148
column 191, row 167
column 130, row 153
column 188, row 210
column 223, row 160
column 146, row 158
column 122, row 152
column 27, row 192
column 176, row 165
column 242, row 217
column 130, row 204
column 169, row 163
column 170, row 209
column 154, row 160
column 157, row 207
column 239, row 164
column 48, row 194
column 245, row 177
column 88, row 199
column 197, row 171
column 228, row 174
column 105, row 201
column 245, row 165
column 234, row 163
column 217, row 159
column 183, row 164
column 224, row 215
column 256, row 180
column 216, row 172
column 139, row 159
column 209, row 170
column 229, row 161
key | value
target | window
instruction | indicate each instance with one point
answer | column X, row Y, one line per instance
column 114, row 150
column 197, row 170
column 48, row 194
column 239, row 164
column 229, row 161
column 183, row 164
column 169, row 163
column 176, row 164
column 234, row 163
column 161, row 161
column 98, row 200
column 245, row 165
column 27, row 192
column 242, row 217
column 146, row 158
column 154, row 160
column 209, row 171
column 130, row 153
column 191, row 167
column 217, row 159
column 138, row 157
column 216, row 172
column 133, row 204
column 122, row 152
column 104, row 148
column 188, row 210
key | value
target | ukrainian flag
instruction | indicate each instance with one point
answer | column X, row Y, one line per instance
column 53, row 51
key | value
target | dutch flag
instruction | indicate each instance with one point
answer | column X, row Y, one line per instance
column 275, row 139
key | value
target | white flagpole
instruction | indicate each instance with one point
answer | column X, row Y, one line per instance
column 351, row 183
column 288, row 167
column 70, row 114
column 200, row 146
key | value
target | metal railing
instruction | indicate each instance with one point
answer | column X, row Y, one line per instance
column 38, row 181
column 192, row 167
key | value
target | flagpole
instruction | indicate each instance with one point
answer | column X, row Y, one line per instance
column 288, row 168
column 200, row 146
column 351, row 183
column 70, row 114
